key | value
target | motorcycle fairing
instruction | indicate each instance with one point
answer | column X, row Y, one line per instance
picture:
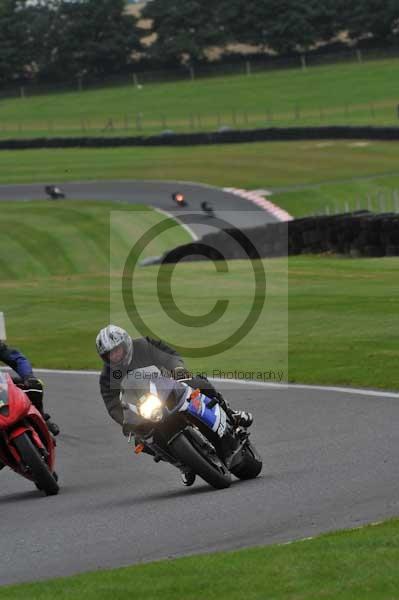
column 213, row 417
column 16, row 400
column 23, row 417
column 163, row 387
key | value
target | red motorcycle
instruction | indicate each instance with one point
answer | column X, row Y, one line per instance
column 26, row 444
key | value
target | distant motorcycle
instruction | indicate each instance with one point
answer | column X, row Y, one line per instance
column 179, row 199
column 26, row 444
column 185, row 428
column 54, row 192
column 207, row 209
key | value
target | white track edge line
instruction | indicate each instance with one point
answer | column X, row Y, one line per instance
column 263, row 384
column 335, row 531
column 192, row 234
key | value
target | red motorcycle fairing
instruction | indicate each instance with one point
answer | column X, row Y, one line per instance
column 14, row 403
column 20, row 417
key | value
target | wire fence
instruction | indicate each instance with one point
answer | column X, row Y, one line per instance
column 242, row 67
column 379, row 202
column 147, row 123
column 383, row 202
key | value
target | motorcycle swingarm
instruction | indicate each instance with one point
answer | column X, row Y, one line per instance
column 159, row 454
column 234, row 459
column 162, row 455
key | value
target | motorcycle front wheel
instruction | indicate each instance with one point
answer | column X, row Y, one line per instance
column 212, row 471
column 39, row 471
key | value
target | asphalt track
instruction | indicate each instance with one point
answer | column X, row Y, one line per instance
column 236, row 211
column 331, row 460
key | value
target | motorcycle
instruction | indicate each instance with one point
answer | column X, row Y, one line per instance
column 54, row 192
column 179, row 199
column 207, row 209
column 182, row 426
column 26, row 444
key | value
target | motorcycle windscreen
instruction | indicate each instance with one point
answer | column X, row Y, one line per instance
column 135, row 386
column 3, row 388
column 148, row 380
column 4, row 397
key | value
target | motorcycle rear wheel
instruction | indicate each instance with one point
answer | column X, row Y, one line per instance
column 41, row 475
column 217, row 476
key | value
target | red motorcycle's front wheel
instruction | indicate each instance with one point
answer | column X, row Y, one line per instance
column 38, row 469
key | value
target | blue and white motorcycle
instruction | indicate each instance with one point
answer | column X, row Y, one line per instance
column 180, row 425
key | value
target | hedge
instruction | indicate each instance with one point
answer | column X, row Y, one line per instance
column 272, row 134
column 357, row 234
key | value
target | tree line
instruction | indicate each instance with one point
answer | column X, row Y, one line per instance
column 60, row 40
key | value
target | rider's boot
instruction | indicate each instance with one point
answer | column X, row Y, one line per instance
column 52, row 427
column 35, row 394
column 242, row 418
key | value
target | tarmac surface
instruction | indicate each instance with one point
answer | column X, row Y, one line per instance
column 330, row 461
column 237, row 211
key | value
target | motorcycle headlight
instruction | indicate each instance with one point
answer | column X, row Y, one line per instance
column 150, row 407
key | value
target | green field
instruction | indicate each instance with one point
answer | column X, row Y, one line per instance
column 251, row 166
column 352, row 565
column 56, row 300
column 339, row 94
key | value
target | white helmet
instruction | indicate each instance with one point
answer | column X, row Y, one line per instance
column 110, row 338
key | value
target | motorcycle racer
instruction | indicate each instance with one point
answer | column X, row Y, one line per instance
column 121, row 355
column 26, row 380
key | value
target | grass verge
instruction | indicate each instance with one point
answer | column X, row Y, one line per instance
column 251, row 166
column 377, row 194
column 337, row 315
column 348, row 565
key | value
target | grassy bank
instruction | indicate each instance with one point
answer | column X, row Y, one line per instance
column 335, row 94
column 71, row 238
column 348, row 565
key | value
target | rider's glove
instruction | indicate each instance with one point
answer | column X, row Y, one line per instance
column 165, row 372
column 177, row 373
column 181, row 373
